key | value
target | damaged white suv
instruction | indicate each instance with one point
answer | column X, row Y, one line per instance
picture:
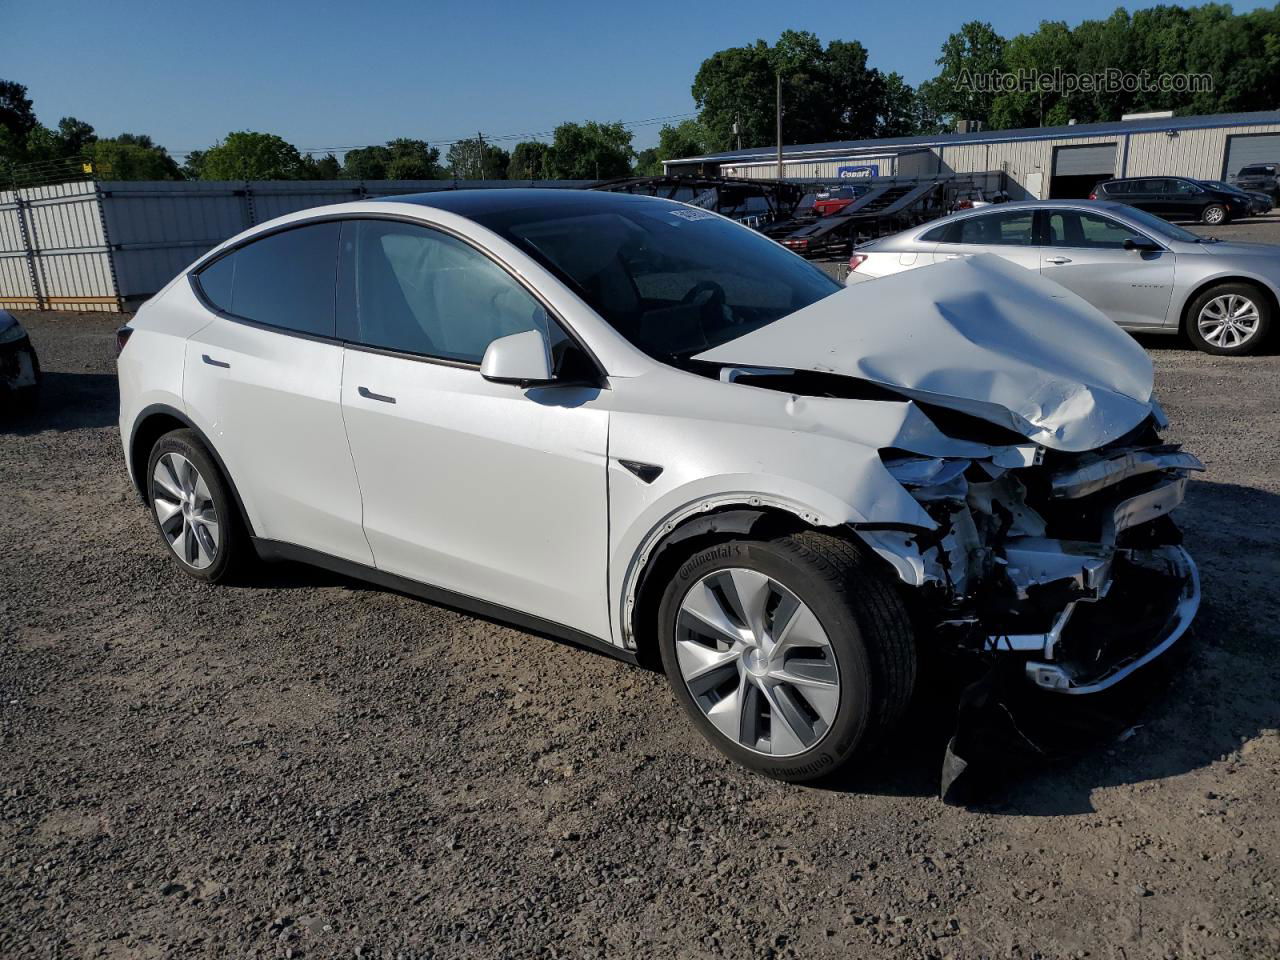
column 644, row 428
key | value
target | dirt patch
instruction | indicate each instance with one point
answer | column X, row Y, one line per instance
column 310, row 766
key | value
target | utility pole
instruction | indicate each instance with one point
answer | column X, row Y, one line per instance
column 480, row 138
column 737, row 128
column 779, row 76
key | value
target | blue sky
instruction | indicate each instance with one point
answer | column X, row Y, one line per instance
column 339, row 75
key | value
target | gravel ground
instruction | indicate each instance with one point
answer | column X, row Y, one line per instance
column 311, row 767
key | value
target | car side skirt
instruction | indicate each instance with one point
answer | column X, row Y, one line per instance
column 276, row 550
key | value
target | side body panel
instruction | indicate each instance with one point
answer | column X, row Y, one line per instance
column 1130, row 287
column 270, row 403
column 484, row 489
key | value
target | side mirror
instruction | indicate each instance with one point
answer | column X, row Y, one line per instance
column 523, row 358
column 1142, row 246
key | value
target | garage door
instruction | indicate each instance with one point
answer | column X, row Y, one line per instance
column 1077, row 169
column 1244, row 149
column 1086, row 160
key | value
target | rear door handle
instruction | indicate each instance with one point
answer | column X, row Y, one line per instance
column 215, row 363
column 370, row 395
column 1057, row 259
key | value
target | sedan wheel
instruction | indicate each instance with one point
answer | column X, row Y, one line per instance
column 185, row 510
column 757, row 662
column 1229, row 321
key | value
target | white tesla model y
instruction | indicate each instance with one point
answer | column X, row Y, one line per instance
column 645, row 428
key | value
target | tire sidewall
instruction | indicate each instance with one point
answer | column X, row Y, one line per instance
column 1192, row 328
column 847, row 644
column 185, row 443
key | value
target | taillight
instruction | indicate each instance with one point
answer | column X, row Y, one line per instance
column 122, row 337
column 856, row 261
column 1093, row 196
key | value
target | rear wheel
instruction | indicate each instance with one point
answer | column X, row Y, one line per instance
column 788, row 654
column 193, row 509
column 1229, row 319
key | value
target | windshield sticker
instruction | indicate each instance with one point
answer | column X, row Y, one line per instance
column 691, row 214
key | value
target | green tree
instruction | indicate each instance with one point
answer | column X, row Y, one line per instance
column 898, row 114
column 192, row 166
column 16, row 113
column 131, row 157
column 476, row 159
column 413, row 160
column 591, row 151
column 968, row 56
column 245, row 155
column 827, row 93
column 530, row 160
column 366, row 163
column 321, row 168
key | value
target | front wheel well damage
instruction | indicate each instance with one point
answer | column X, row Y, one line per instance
column 705, row 530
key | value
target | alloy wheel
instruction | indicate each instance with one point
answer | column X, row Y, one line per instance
column 757, row 662
column 185, row 511
column 1214, row 215
column 1230, row 321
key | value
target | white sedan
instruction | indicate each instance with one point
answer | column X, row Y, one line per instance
column 641, row 427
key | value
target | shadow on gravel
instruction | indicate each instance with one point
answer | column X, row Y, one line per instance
column 1044, row 754
column 68, row 401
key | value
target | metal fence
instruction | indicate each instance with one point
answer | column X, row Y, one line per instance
column 109, row 245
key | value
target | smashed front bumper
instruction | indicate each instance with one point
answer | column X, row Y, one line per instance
column 1069, row 563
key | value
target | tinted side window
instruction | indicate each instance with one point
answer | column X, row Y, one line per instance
column 1184, row 186
column 216, row 281
column 421, row 291
column 937, row 235
column 1069, row 228
column 1000, row 229
column 284, row 280
column 1152, row 186
column 1118, row 187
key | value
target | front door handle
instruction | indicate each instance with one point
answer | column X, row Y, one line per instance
column 370, row 395
column 215, row 363
column 1057, row 259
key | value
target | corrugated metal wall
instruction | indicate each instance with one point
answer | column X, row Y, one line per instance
column 53, row 251
column 106, row 246
column 1029, row 163
column 1192, row 153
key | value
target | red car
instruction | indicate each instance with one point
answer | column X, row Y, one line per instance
column 833, row 201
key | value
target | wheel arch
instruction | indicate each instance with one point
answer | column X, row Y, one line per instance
column 1184, row 310
column 149, row 426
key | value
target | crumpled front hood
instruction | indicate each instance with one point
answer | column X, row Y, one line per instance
column 979, row 335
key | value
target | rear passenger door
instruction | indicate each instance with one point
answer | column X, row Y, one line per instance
column 1007, row 233
column 492, row 491
column 262, row 381
column 1152, row 195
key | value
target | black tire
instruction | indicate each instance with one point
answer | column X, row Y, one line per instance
column 1215, row 214
column 1259, row 299
column 231, row 556
column 865, row 622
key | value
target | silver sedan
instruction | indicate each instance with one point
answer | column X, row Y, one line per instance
column 1142, row 272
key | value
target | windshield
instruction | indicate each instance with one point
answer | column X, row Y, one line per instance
column 1225, row 187
column 674, row 280
column 1164, row 228
column 1257, row 171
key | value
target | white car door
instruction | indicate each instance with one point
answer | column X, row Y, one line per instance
column 262, row 380
column 1084, row 252
column 1006, row 233
column 491, row 491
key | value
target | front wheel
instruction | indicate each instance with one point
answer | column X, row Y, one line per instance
column 788, row 654
column 1230, row 319
column 1214, row 214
